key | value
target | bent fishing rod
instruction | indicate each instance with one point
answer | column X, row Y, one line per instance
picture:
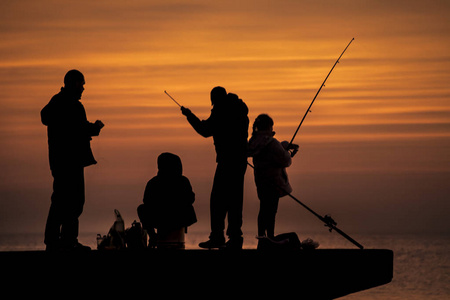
column 321, row 86
column 329, row 222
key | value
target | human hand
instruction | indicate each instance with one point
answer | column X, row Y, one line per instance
column 99, row 124
column 292, row 148
column 185, row 111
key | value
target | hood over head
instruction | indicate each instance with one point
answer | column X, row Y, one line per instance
column 169, row 165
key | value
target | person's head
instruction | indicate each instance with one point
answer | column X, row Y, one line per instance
column 74, row 82
column 218, row 93
column 169, row 165
column 263, row 123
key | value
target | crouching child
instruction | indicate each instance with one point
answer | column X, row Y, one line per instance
column 168, row 209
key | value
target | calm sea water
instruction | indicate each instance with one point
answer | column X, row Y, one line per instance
column 421, row 262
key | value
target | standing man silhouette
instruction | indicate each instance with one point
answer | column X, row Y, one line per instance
column 228, row 125
column 69, row 135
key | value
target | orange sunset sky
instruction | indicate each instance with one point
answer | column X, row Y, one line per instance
column 374, row 152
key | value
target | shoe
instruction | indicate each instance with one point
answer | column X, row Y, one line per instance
column 212, row 244
column 53, row 247
column 80, row 247
column 234, row 243
column 77, row 247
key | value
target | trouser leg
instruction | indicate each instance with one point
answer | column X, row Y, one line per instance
column 217, row 206
column 66, row 207
column 227, row 198
column 267, row 212
column 236, row 201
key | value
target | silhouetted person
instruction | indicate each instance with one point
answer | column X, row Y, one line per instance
column 228, row 125
column 69, row 136
column 168, row 200
column 270, row 159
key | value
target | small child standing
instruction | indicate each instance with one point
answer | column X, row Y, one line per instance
column 270, row 159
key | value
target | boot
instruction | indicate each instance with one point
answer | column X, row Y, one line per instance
column 235, row 243
column 212, row 243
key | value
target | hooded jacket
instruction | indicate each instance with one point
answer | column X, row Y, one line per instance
column 69, row 132
column 270, row 160
column 168, row 197
column 228, row 125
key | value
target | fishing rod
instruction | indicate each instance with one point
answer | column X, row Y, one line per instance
column 321, row 86
column 172, row 99
column 329, row 222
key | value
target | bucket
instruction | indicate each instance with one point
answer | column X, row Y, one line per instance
column 170, row 239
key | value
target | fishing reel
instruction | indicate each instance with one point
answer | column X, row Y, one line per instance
column 293, row 149
column 329, row 222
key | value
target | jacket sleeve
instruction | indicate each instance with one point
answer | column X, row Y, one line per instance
column 47, row 113
column 281, row 156
column 148, row 197
column 88, row 128
column 189, row 193
column 45, row 116
column 189, row 216
column 204, row 127
column 91, row 129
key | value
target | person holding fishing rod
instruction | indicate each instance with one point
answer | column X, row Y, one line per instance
column 228, row 125
column 269, row 208
column 270, row 159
